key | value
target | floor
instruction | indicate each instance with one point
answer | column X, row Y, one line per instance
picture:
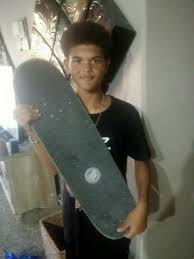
column 19, row 234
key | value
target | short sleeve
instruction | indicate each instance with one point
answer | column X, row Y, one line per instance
column 137, row 145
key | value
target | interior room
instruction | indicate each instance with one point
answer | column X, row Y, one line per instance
column 151, row 68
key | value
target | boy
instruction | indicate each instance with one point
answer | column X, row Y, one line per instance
column 86, row 46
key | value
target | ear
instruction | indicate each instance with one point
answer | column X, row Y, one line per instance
column 107, row 65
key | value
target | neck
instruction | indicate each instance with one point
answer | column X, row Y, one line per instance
column 93, row 101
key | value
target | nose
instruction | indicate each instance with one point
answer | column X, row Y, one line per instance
column 87, row 66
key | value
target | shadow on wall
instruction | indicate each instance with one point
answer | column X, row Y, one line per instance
column 162, row 202
column 118, row 85
column 171, row 229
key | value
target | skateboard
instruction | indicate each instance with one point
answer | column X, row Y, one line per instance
column 74, row 145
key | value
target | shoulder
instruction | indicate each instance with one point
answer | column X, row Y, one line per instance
column 124, row 108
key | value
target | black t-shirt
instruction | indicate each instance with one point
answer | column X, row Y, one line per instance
column 121, row 129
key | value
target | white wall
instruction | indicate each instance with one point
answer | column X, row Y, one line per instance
column 130, row 81
column 11, row 11
column 169, row 107
column 130, row 78
column 158, row 77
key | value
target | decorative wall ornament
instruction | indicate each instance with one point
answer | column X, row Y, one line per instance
column 75, row 10
column 52, row 17
column 97, row 14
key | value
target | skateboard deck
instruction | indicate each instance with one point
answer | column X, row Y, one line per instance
column 74, row 145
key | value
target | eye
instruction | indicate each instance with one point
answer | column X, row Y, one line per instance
column 97, row 61
column 76, row 60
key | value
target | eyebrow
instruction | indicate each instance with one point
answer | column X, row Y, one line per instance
column 75, row 57
column 78, row 57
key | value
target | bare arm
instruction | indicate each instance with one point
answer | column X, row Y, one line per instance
column 142, row 174
column 24, row 115
column 136, row 221
column 41, row 152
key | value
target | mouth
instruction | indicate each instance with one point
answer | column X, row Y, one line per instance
column 87, row 78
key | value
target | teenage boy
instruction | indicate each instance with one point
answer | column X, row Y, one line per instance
column 87, row 47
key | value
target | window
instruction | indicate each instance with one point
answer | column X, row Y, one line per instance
column 7, row 100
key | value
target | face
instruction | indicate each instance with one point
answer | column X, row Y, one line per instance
column 87, row 66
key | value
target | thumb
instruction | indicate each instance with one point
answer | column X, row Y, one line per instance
column 124, row 226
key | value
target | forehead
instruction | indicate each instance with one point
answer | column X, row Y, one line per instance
column 86, row 51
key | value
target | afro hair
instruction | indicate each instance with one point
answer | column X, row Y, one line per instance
column 86, row 33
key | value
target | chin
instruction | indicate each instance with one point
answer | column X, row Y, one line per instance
column 88, row 88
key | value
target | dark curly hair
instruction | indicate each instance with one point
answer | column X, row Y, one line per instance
column 86, row 32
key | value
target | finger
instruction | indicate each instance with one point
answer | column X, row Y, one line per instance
column 25, row 117
column 25, row 106
column 35, row 114
column 35, row 110
column 123, row 227
column 21, row 111
column 130, row 234
column 32, row 110
column 34, row 117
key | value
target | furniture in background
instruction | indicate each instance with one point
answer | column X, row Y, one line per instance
column 25, row 183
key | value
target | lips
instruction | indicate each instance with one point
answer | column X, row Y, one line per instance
column 88, row 78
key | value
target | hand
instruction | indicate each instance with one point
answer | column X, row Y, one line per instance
column 25, row 114
column 136, row 222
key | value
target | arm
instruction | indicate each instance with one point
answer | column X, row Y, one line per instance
column 142, row 175
column 24, row 115
column 136, row 221
column 41, row 152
